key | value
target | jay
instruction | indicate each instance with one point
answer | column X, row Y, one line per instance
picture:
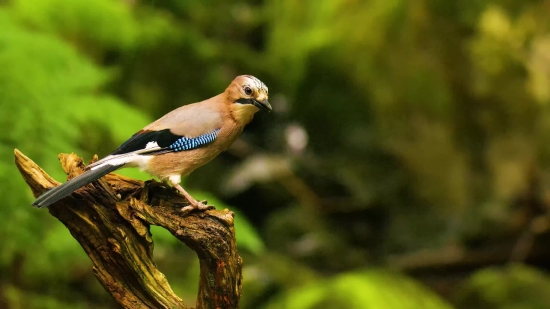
column 180, row 141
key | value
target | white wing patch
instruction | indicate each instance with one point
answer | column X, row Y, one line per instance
column 129, row 160
column 152, row 145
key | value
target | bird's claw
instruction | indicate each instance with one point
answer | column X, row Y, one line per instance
column 202, row 205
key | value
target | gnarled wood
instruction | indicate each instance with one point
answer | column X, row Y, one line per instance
column 110, row 219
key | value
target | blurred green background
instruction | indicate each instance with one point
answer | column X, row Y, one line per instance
column 406, row 164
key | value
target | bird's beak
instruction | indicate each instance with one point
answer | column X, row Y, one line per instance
column 263, row 104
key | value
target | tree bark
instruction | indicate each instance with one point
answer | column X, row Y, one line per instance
column 110, row 219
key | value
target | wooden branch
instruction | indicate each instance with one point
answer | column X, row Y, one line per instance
column 110, row 219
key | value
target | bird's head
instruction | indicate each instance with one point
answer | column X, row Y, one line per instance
column 248, row 95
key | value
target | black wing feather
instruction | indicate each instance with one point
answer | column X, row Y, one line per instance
column 138, row 141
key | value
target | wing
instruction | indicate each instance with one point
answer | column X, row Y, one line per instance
column 146, row 143
column 188, row 127
column 147, row 139
column 151, row 142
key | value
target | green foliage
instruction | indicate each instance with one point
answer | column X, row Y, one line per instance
column 425, row 125
column 362, row 290
column 20, row 300
column 104, row 23
column 48, row 93
column 514, row 286
column 52, row 100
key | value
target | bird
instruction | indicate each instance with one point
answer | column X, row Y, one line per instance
column 179, row 142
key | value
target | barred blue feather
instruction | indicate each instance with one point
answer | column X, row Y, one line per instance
column 188, row 143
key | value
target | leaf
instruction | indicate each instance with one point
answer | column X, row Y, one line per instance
column 375, row 288
column 48, row 94
column 515, row 286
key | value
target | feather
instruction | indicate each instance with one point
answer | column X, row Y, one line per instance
column 63, row 190
column 147, row 140
column 137, row 151
column 186, row 143
column 151, row 142
column 193, row 119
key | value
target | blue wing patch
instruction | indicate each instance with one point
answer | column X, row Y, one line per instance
column 188, row 143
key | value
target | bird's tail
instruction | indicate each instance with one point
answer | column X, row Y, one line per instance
column 63, row 190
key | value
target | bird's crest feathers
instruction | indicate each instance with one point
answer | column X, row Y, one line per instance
column 258, row 84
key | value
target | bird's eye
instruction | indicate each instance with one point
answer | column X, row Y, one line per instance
column 248, row 90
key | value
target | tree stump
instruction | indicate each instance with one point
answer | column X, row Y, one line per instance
column 110, row 218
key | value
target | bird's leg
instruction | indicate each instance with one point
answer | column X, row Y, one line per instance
column 194, row 203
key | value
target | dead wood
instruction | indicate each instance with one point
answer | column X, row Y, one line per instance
column 110, row 218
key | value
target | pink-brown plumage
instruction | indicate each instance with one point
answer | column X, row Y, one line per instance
column 192, row 120
column 184, row 162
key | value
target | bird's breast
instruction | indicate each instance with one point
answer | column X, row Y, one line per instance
column 185, row 162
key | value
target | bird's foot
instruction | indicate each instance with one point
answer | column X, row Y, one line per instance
column 202, row 205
